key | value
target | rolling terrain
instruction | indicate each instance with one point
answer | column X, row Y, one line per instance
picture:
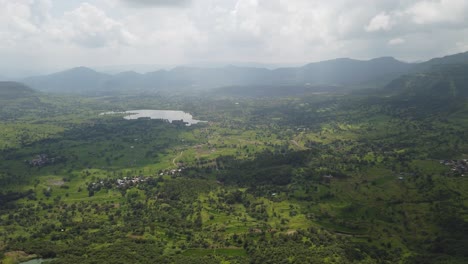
column 279, row 174
column 339, row 72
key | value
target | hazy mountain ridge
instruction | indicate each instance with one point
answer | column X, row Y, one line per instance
column 18, row 100
column 444, row 81
column 459, row 58
column 273, row 91
column 76, row 80
column 339, row 72
column 342, row 72
column 13, row 90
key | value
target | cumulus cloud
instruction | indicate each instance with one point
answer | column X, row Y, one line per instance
column 30, row 22
column 40, row 11
column 396, row 41
column 462, row 46
column 113, row 31
column 89, row 26
column 16, row 22
column 442, row 11
column 157, row 3
column 380, row 22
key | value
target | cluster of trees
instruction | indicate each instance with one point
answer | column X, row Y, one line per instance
column 345, row 177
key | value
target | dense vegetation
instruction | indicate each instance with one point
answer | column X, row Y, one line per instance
column 366, row 177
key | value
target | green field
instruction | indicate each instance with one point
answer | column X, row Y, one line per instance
column 320, row 179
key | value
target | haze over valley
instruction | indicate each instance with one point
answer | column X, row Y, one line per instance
column 237, row 131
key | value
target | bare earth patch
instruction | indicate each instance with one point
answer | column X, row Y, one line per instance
column 55, row 182
column 19, row 256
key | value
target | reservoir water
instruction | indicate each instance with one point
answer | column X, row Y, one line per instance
column 36, row 261
column 170, row 115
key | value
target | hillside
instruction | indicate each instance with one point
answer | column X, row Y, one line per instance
column 441, row 90
column 460, row 58
column 277, row 174
column 356, row 178
column 17, row 100
column 14, row 90
column 77, row 80
column 339, row 72
column 269, row 91
column 344, row 72
column 448, row 81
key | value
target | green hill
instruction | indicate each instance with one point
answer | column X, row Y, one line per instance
column 76, row 80
column 276, row 175
column 459, row 58
column 441, row 81
column 14, row 90
column 16, row 100
column 339, row 72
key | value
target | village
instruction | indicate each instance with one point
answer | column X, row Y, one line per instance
column 458, row 167
column 41, row 160
column 128, row 182
column 124, row 183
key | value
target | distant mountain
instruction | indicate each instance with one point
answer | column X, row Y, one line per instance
column 346, row 73
column 460, row 58
column 122, row 81
column 14, row 90
column 332, row 75
column 76, row 80
column 343, row 72
column 443, row 81
column 17, row 100
column 140, row 68
column 337, row 72
column 271, row 91
column 87, row 81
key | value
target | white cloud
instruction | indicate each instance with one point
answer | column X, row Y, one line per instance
column 396, row 41
column 89, row 26
column 15, row 22
column 442, row 11
column 30, row 22
column 157, row 3
column 40, row 11
column 462, row 46
column 92, row 32
column 380, row 22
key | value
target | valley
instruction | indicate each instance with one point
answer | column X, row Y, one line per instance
column 367, row 176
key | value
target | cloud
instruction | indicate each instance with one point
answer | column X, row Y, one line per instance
column 462, row 46
column 115, row 31
column 21, row 21
column 381, row 22
column 30, row 23
column 396, row 41
column 40, row 11
column 157, row 3
column 90, row 27
column 442, row 11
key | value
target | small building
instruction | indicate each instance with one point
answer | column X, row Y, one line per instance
column 327, row 178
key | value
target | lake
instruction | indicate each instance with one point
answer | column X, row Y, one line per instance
column 169, row 115
column 36, row 261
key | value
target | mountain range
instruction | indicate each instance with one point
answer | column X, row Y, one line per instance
column 339, row 72
column 343, row 72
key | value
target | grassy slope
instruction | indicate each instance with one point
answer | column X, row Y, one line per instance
column 370, row 206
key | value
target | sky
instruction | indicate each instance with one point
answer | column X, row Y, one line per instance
column 49, row 35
